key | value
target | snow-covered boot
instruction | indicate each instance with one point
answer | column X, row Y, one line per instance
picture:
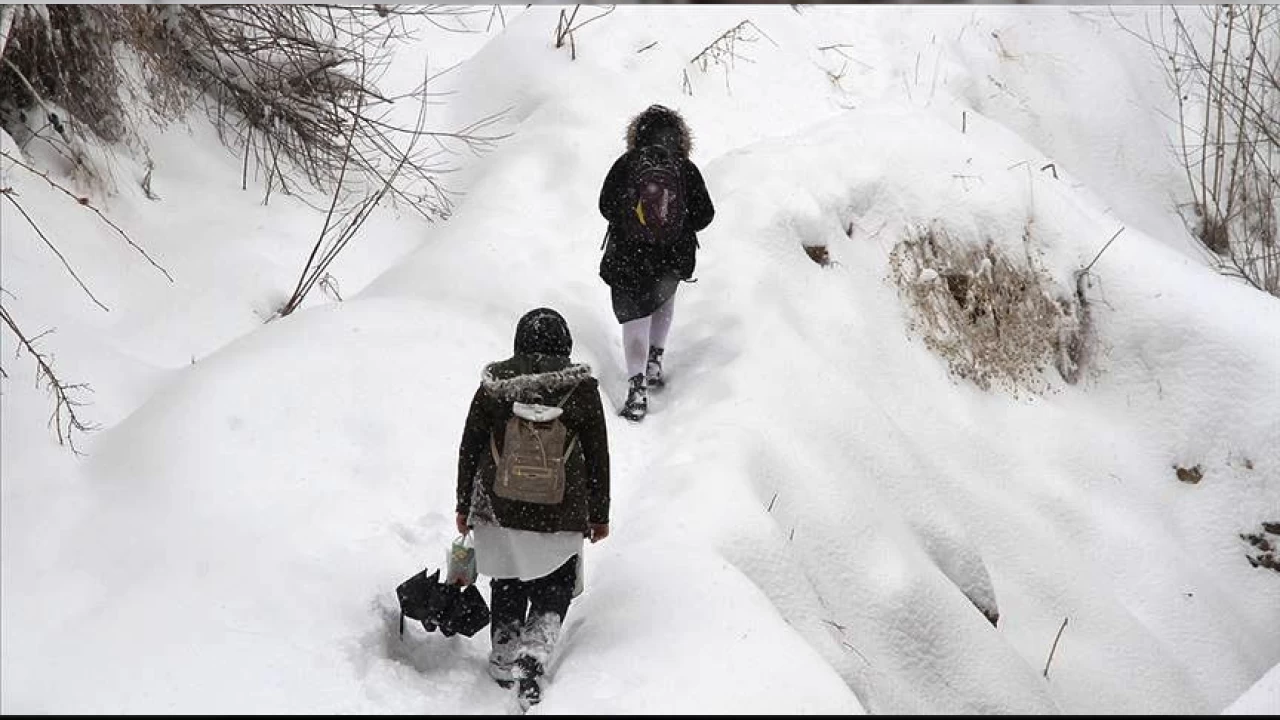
column 529, row 685
column 537, row 641
column 653, row 369
column 502, row 658
column 637, row 399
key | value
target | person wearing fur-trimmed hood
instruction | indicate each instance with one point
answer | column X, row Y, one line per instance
column 530, row 550
column 643, row 276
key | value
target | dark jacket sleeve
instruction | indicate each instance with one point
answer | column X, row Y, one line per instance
column 595, row 449
column 613, row 201
column 701, row 211
column 475, row 442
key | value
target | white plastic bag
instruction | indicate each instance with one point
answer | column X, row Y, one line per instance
column 460, row 562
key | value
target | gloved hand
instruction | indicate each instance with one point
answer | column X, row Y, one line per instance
column 597, row 531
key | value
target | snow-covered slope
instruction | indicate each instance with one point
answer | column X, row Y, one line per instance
column 815, row 516
column 1261, row 699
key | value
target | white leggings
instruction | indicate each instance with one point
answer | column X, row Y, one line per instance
column 642, row 333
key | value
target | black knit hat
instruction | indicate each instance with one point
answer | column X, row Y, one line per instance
column 543, row 332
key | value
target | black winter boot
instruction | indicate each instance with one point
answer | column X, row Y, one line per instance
column 653, row 369
column 528, row 686
column 637, row 399
column 502, row 658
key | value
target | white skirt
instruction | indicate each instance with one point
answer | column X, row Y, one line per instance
column 524, row 554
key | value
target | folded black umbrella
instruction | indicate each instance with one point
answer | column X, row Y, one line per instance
column 468, row 614
column 451, row 609
column 423, row 598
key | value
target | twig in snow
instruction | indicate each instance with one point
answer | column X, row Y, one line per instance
column 855, row 650
column 723, row 50
column 84, row 201
column 9, row 194
column 839, row 48
column 146, row 183
column 565, row 28
column 843, row 637
column 1088, row 267
column 834, row 624
column 1055, row 647
column 64, row 418
column 329, row 286
column 496, row 10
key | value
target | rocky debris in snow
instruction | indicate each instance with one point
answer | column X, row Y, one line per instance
column 818, row 254
column 1263, row 549
column 1191, row 475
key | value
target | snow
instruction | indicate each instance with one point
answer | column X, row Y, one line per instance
column 1261, row 699
column 815, row 517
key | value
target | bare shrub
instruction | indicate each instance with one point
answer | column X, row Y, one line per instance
column 299, row 83
column 1224, row 67
column 61, row 56
column 60, row 84
column 566, row 27
column 725, row 50
column 64, row 419
column 996, row 322
column 293, row 88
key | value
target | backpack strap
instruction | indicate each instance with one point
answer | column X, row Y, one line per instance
column 569, row 448
column 565, row 399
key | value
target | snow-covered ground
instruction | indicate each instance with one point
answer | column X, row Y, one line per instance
column 815, row 514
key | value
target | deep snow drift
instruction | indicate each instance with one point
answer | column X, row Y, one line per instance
column 814, row 518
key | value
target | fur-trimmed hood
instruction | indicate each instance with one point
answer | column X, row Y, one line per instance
column 652, row 122
column 540, row 388
column 500, row 383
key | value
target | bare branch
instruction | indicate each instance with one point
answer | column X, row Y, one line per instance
column 84, row 202
column 565, row 28
column 9, row 194
column 1089, row 267
column 1054, row 649
column 1228, row 121
column 64, row 419
column 723, row 50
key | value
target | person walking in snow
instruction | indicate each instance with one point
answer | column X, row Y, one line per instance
column 533, row 481
column 655, row 201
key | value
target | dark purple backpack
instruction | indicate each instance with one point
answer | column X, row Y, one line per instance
column 657, row 185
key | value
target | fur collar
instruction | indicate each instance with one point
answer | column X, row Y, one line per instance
column 524, row 388
column 666, row 116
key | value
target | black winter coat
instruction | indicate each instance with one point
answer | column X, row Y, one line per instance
column 632, row 264
column 544, row 380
